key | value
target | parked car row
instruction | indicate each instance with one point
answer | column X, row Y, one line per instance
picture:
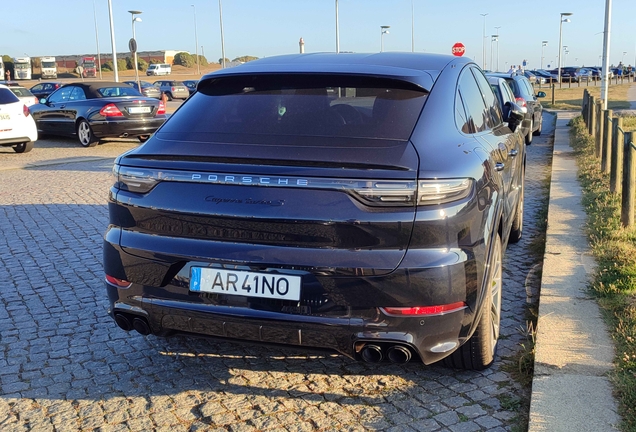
column 360, row 203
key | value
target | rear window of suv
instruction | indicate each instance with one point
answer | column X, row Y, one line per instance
column 299, row 105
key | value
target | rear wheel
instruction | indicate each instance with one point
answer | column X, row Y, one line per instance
column 85, row 134
column 530, row 133
column 517, row 224
column 478, row 352
column 23, row 147
column 538, row 131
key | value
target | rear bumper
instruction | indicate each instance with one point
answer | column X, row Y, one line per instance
column 160, row 294
column 24, row 131
column 119, row 128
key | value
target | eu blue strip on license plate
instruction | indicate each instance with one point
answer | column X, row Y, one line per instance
column 245, row 283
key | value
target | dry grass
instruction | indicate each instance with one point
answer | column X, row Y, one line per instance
column 572, row 98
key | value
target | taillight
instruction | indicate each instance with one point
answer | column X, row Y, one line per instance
column 110, row 110
column 25, row 110
column 521, row 102
column 424, row 310
column 119, row 283
column 162, row 108
column 171, row 88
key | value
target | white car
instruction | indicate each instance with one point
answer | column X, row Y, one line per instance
column 17, row 127
column 24, row 95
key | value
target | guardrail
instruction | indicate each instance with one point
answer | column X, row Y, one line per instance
column 616, row 150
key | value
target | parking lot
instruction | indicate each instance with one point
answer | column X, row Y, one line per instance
column 65, row 365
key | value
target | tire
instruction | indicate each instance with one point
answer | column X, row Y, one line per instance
column 538, row 131
column 23, row 147
column 85, row 134
column 517, row 223
column 530, row 133
column 478, row 353
column 143, row 138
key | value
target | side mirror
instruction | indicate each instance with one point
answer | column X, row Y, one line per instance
column 541, row 94
column 515, row 116
column 43, row 100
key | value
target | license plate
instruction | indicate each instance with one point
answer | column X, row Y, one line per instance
column 245, row 283
column 139, row 110
column 5, row 117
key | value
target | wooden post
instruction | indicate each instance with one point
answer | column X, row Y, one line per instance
column 629, row 182
column 584, row 105
column 553, row 88
column 606, row 145
column 616, row 170
column 591, row 126
column 598, row 138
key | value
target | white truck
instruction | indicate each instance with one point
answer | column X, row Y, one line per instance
column 22, row 68
column 49, row 67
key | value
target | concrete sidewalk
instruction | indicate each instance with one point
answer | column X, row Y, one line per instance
column 574, row 352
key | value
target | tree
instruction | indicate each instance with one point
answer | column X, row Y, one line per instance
column 184, row 59
column 203, row 61
column 227, row 60
column 245, row 59
column 107, row 66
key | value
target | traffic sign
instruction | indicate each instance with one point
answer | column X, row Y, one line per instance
column 458, row 49
column 132, row 45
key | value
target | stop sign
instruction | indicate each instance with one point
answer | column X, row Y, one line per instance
column 458, row 49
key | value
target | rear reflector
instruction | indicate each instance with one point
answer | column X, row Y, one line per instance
column 424, row 310
column 110, row 110
column 119, row 283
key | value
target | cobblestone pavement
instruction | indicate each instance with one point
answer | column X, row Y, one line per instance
column 64, row 365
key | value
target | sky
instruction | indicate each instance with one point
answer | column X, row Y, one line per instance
column 265, row 28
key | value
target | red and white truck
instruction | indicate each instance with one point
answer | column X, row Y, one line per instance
column 89, row 69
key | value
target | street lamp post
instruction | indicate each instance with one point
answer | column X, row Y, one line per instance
column 493, row 38
column 606, row 51
column 112, row 40
column 565, row 54
column 337, row 30
column 222, row 39
column 543, row 45
column 196, row 40
column 483, row 43
column 412, row 27
column 497, row 28
column 561, row 21
column 383, row 30
column 134, row 20
column 99, row 58
column 623, row 58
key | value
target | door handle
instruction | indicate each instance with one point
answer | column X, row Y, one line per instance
column 513, row 153
column 499, row 166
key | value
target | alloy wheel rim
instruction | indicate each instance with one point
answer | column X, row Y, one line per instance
column 495, row 303
column 84, row 133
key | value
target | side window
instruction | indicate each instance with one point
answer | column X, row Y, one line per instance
column 495, row 118
column 37, row 88
column 78, row 94
column 460, row 115
column 529, row 87
column 509, row 97
column 61, row 95
column 473, row 102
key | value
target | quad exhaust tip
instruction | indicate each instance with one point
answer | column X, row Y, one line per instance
column 397, row 354
column 129, row 323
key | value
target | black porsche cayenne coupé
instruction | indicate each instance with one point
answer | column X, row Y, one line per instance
column 360, row 203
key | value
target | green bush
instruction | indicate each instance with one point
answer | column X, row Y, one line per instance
column 203, row 61
column 245, row 59
column 227, row 60
column 142, row 64
column 122, row 64
column 184, row 59
column 107, row 66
